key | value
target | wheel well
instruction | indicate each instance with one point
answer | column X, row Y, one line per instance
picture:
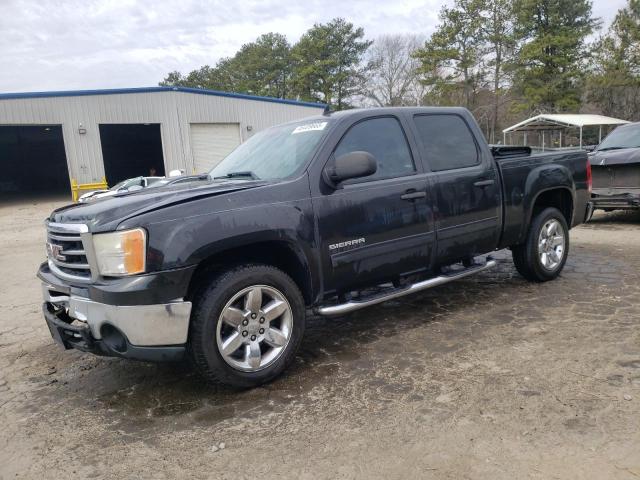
column 277, row 254
column 558, row 198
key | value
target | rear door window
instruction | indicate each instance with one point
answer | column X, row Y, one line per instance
column 447, row 142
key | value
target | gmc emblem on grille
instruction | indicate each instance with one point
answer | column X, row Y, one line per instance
column 55, row 251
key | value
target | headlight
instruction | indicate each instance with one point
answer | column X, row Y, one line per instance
column 121, row 253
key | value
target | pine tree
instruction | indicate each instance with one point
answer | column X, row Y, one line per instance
column 614, row 84
column 551, row 53
column 263, row 67
column 452, row 57
column 328, row 63
column 497, row 29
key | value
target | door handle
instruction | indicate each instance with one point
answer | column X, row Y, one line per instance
column 413, row 195
column 484, row 183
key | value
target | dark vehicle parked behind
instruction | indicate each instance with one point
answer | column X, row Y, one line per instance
column 326, row 215
column 615, row 165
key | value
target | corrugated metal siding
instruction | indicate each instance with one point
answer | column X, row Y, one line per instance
column 211, row 142
column 174, row 111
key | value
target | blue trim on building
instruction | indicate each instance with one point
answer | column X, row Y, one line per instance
column 120, row 91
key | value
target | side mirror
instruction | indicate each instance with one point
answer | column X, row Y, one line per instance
column 350, row 165
column 132, row 188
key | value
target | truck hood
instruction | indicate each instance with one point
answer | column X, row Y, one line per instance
column 615, row 157
column 105, row 211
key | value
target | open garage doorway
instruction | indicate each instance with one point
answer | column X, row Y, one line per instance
column 32, row 162
column 131, row 150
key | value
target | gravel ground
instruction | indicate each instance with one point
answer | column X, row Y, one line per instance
column 489, row 377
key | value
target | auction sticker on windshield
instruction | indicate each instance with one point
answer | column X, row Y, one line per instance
column 309, row 127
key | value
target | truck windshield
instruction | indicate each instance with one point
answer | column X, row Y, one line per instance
column 272, row 154
column 627, row 136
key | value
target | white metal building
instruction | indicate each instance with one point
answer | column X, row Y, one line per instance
column 49, row 138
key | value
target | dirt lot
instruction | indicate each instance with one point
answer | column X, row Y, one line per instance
column 490, row 377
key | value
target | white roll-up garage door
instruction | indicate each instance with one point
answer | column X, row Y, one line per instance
column 211, row 142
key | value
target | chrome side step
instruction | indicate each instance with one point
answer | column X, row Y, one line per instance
column 353, row 305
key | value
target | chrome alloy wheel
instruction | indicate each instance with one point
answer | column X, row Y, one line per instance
column 254, row 328
column 551, row 244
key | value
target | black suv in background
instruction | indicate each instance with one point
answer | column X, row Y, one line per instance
column 325, row 215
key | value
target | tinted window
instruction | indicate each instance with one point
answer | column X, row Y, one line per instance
column 384, row 139
column 447, row 142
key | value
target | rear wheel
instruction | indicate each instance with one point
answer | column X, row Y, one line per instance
column 246, row 325
column 544, row 253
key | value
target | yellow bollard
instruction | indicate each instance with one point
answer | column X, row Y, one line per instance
column 76, row 188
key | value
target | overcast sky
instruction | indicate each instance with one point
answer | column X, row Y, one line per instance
column 84, row 44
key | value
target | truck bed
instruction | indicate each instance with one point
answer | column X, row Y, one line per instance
column 521, row 171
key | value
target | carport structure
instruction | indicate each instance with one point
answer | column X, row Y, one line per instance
column 549, row 123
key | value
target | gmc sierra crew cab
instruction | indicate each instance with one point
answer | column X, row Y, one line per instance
column 321, row 216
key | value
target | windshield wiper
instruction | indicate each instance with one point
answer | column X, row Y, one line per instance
column 247, row 173
column 613, row 148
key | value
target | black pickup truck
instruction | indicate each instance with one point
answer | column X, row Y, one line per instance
column 322, row 216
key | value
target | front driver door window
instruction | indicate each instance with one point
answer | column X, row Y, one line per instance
column 385, row 140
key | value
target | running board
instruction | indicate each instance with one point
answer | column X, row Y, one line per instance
column 353, row 305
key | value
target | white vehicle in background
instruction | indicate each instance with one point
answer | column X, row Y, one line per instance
column 129, row 185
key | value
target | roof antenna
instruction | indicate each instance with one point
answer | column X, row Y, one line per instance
column 327, row 110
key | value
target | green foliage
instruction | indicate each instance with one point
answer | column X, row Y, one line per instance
column 327, row 63
column 451, row 58
column 262, row 68
column 614, row 84
column 213, row 78
column 502, row 59
column 550, row 66
column 498, row 33
column 173, row 79
column 325, row 66
column 465, row 61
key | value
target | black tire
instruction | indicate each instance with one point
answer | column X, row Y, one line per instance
column 208, row 303
column 526, row 256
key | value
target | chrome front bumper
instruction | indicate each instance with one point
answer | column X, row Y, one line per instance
column 142, row 325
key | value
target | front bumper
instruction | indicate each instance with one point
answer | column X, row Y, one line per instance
column 156, row 332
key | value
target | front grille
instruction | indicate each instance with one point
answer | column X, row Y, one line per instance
column 66, row 250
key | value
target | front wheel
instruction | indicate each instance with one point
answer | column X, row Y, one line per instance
column 246, row 325
column 543, row 254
